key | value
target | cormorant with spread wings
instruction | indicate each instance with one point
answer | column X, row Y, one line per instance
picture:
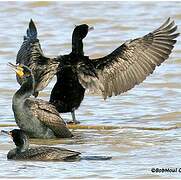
column 122, row 69
column 113, row 74
column 130, row 63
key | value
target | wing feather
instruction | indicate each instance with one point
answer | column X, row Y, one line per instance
column 134, row 60
column 49, row 116
column 31, row 55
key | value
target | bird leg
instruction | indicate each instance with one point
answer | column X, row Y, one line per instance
column 74, row 121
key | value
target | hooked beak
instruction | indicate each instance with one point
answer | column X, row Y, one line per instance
column 6, row 132
column 14, row 67
column 91, row 28
column 17, row 68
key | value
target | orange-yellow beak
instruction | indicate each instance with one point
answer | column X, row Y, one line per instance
column 17, row 68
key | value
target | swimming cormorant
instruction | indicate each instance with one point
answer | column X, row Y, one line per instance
column 113, row 74
column 40, row 153
column 38, row 118
column 31, row 55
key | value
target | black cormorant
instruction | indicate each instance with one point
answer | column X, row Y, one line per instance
column 68, row 93
column 38, row 118
column 113, row 74
column 40, row 153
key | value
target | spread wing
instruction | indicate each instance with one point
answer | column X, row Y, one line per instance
column 31, row 55
column 132, row 62
column 49, row 116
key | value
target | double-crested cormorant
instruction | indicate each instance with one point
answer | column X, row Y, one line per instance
column 44, row 68
column 41, row 153
column 68, row 93
column 38, row 118
column 31, row 55
column 113, row 74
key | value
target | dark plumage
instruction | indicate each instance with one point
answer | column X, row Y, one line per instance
column 41, row 153
column 113, row 74
column 31, row 55
column 44, row 68
column 38, row 118
column 68, row 93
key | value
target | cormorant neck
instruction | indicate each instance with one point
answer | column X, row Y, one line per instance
column 26, row 89
column 77, row 46
column 24, row 146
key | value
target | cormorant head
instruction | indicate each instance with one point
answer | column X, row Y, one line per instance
column 80, row 31
column 19, row 138
column 22, row 71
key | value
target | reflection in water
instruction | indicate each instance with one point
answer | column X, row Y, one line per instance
column 149, row 115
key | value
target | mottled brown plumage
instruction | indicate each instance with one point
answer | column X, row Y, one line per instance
column 31, row 55
column 48, row 115
column 39, row 153
column 43, row 153
column 38, row 118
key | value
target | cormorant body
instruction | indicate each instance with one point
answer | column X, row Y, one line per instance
column 38, row 118
column 67, row 94
column 41, row 153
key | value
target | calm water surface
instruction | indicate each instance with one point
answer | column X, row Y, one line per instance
column 149, row 114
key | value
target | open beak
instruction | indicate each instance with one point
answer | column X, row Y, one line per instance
column 91, row 28
column 6, row 132
column 17, row 69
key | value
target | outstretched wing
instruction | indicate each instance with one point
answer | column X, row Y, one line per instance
column 133, row 61
column 49, row 116
column 31, row 55
column 30, row 51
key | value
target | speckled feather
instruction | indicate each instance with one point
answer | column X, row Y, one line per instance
column 49, row 116
column 130, row 63
column 43, row 153
column 31, row 55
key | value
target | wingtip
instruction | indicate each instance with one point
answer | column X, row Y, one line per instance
column 32, row 24
column 32, row 31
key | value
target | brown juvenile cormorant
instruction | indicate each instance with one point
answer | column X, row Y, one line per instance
column 38, row 118
column 31, row 55
column 68, row 93
column 41, row 153
column 113, row 74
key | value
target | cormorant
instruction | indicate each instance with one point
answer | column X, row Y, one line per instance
column 38, row 118
column 44, row 68
column 31, row 55
column 67, row 94
column 41, row 153
column 113, row 74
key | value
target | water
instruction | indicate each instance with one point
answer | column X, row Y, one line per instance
column 149, row 114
